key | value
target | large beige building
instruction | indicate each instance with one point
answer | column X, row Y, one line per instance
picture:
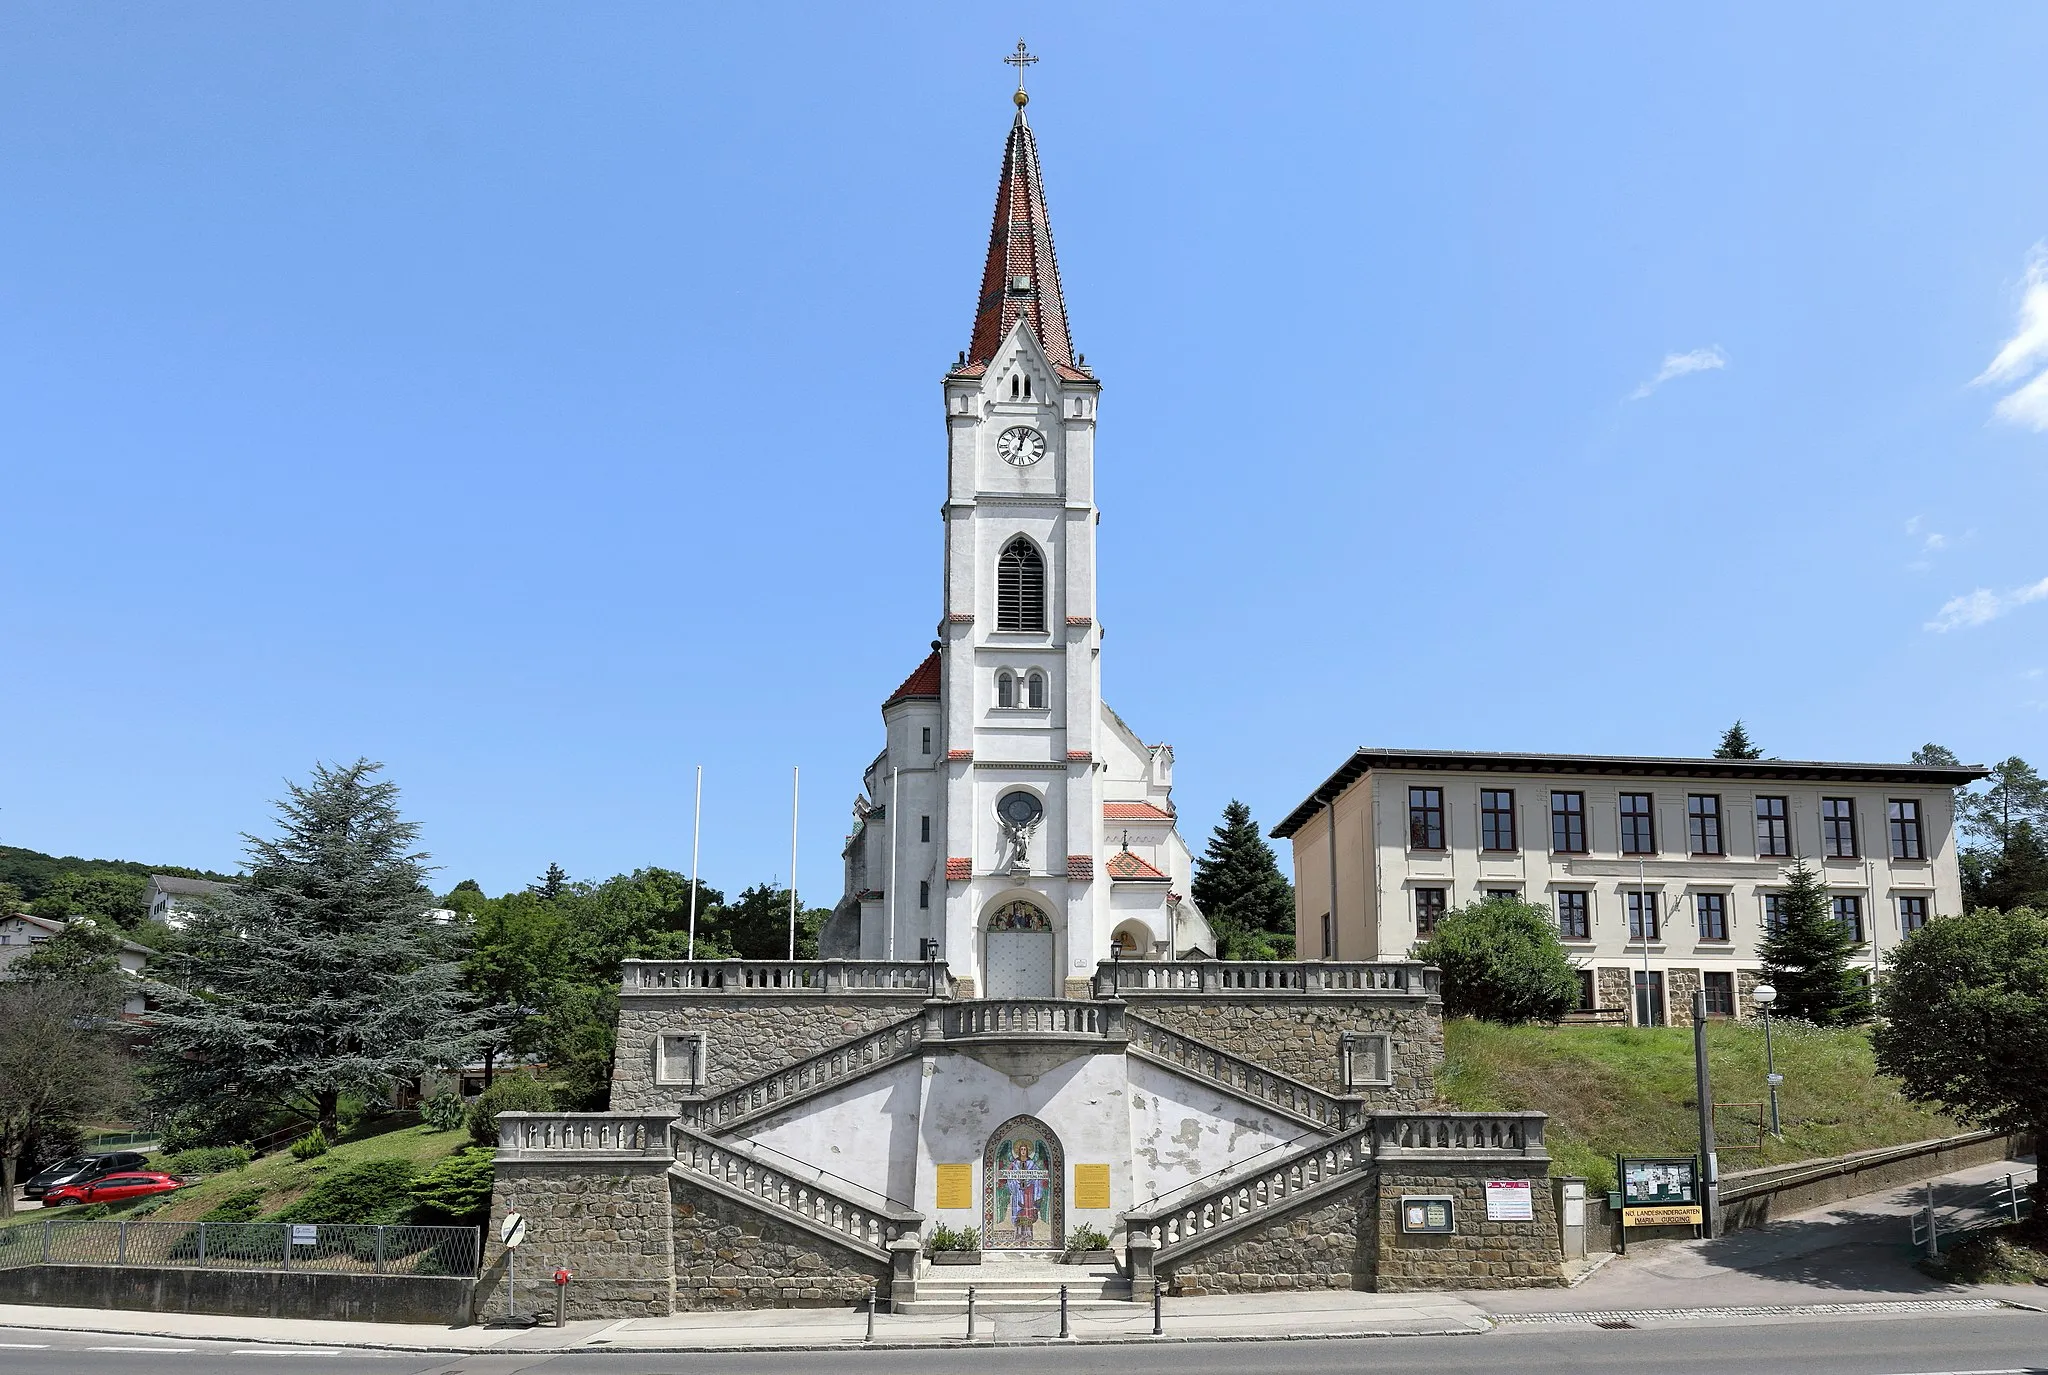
column 1663, row 873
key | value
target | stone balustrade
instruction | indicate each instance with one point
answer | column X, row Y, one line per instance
column 1245, row 1078
column 833, row 978
column 1460, row 1133
column 1176, row 1225
column 564, row 1135
column 1025, row 1017
column 779, row 1089
column 1123, row 978
column 866, row 1226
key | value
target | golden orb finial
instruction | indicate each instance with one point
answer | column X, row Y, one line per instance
column 1021, row 98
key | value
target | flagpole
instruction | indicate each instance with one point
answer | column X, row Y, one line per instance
column 793, row 781
column 696, row 838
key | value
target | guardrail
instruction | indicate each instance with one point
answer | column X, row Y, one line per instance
column 344, row 1248
column 870, row 1226
column 1498, row 1133
column 1121, row 978
column 780, row 1088
column 545, row 1134
column 834, row 977
column 1245, row 1078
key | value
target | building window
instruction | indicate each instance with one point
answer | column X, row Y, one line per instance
column 1849, row 913
column 1006, row 688
column 1426, row 818
column 1329, row 942
column 1638, row 826
column 926, row 747
column 1496, row 819
column 1034, row 691
column 924, row 829
column 924, row 893
column 1020, row 587
column 1365, row 1060
column 1713, row 914
column 1912, row 914
column 1568, row 823
column 1703, row 823
column 1429, row 909
column 1774, row 913
column 1773, row 827
column 1720, row 990
column 1904, row 815
column 1838, row 827
column 1574, row 915
column 1642, row 916
column 1500, row 894
column 1649, row 997
column 1588, row 997
column 679, row 1059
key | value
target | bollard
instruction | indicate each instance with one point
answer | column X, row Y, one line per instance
column 2012, row 1200
column 1063, row 1310
column 970, row 1312
column 1158, row 1306
column 871, row 1317
column 562, row 1278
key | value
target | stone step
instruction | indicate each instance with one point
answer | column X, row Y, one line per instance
column 1011, row 1300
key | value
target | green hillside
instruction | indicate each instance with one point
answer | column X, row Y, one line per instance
column 1612, row 1090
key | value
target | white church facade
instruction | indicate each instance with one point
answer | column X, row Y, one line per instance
column 1012, row 818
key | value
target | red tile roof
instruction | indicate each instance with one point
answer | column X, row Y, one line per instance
column 1080, row 620
column 1079, row 756
column 958, row 868
column 959, row 754
column 1080, row 866
column 1020, row 246
column 1133, row 811
column 922, row 682
column 1126, row 867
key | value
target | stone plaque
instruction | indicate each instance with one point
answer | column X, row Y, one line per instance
column 1091, row 1186
column 956, row 1186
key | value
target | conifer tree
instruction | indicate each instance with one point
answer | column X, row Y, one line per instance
column 1736, row 744
column 1240, row 889
column 1807, row 958
column 551, row 884
column 322, row 973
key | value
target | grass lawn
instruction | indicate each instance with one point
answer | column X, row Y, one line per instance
column 1612, row 1090
column 283, row 1179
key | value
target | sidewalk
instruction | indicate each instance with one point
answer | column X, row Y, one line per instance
column 1850, row 1253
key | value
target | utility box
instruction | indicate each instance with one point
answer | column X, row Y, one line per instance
column 1571, row 1216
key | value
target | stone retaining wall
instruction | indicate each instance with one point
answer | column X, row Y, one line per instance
column 728, row 1255
column 1297, row 1035
column 1318, row 1247
column 746, row 1036
column 605, row 1221
column 295, row 1295
column 1480, row 1254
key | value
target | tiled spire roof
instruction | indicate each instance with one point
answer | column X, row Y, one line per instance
column 1022, row 277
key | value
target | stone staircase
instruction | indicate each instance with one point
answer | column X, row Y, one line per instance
column 1016, row 1282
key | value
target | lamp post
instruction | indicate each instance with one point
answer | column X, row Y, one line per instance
column 1763, row 995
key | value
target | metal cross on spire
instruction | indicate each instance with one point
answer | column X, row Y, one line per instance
column 1021, row 59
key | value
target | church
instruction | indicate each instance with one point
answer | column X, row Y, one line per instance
column 1017, row 1066
column 1013, row 825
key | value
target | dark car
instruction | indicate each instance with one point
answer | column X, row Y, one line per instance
column 82, row 1169
column 112, row 1188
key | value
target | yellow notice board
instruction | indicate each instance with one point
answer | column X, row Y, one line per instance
column 956, row 1186
column 1091, row 1186
column 1660, row 1217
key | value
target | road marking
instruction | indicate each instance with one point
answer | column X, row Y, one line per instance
column 1757, row 1311
column 24, row 1346
column 308, row 1351
column 153, row 1350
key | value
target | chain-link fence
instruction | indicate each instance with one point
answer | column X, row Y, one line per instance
column 348, row 1248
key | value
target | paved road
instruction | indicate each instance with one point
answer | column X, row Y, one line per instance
column 2008, row 1343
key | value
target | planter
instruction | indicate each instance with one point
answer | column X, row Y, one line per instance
column 956, row 1257
column 1102, row 1257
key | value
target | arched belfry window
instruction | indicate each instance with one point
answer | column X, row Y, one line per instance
column 1034, row 689
column 1006, row 688
column 1020, row 587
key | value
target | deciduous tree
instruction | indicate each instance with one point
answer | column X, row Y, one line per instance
column 1502, row 961
column 61, row 1061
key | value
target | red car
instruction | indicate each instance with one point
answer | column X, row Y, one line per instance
column 114, row 1188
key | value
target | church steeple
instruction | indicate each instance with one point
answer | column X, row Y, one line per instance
column 1022, row 277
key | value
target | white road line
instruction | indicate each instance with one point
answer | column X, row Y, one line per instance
column 24, row 1346
column 309, row 1351
column 150, row 1350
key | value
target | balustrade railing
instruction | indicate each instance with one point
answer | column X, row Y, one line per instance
column 897, row 977
column 1179, row 1225
column 582, row 1133
column 1245, row 1078
column 779, row 1088
column 1517, row 1132
column 1120, row 978
column 1028, row 1017
column 869, row 1225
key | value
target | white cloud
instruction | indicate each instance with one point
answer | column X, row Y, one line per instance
column 2025, row 352
column 1678, row 365
column 1913, row 526
column 1976, row 608
column 1933, row 542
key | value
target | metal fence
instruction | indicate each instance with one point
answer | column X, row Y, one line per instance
column 345, row 1248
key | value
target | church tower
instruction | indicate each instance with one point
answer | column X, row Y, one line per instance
column 1013, row 818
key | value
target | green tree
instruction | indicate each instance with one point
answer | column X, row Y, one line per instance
column 115, row 898
column 551, row 884
column 757, row 926
column 85, row 954
column 2014, row 795
column 1502, row 962
column 2015, row 875
column 61, row 1061
column 323, row 972
column 1736, row 744
column 1240, row 889
column 1936, row 756
column 1963, row 1011
column 1808, row 956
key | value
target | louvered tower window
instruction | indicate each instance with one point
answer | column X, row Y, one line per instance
column 1020, row 587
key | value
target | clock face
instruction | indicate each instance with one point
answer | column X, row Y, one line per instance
column 1021, row 445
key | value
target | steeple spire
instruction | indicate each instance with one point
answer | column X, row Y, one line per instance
column 1022, row 277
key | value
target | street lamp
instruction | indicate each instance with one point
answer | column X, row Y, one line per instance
column 1763, row 995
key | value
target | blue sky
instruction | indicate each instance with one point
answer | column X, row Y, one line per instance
column 544, row 399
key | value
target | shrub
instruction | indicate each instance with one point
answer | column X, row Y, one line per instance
column 1502, row 962
column 91, row 1212
column 373, row 1191
column 1087, row 1238
column 312, row 1144
column 456, row 1191
column 944, row 1238
column 241, row 1206
column 444, row 1112
column 204, row 1160
column 513, row 1093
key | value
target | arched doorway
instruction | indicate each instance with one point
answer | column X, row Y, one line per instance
column 1019, row 955
column 1023, row 1189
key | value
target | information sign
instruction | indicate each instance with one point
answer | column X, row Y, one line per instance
column 1430, row 1213
column 1091, row 1186
column 1509, row 1200
column 956, row 1186
column 1660, row 1191
column 305, row 1234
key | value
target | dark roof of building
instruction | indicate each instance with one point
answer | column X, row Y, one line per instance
column 1020, row 251
column 1126, row 867
column 1365, row 761
column 197, row 887
column 922, row 682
